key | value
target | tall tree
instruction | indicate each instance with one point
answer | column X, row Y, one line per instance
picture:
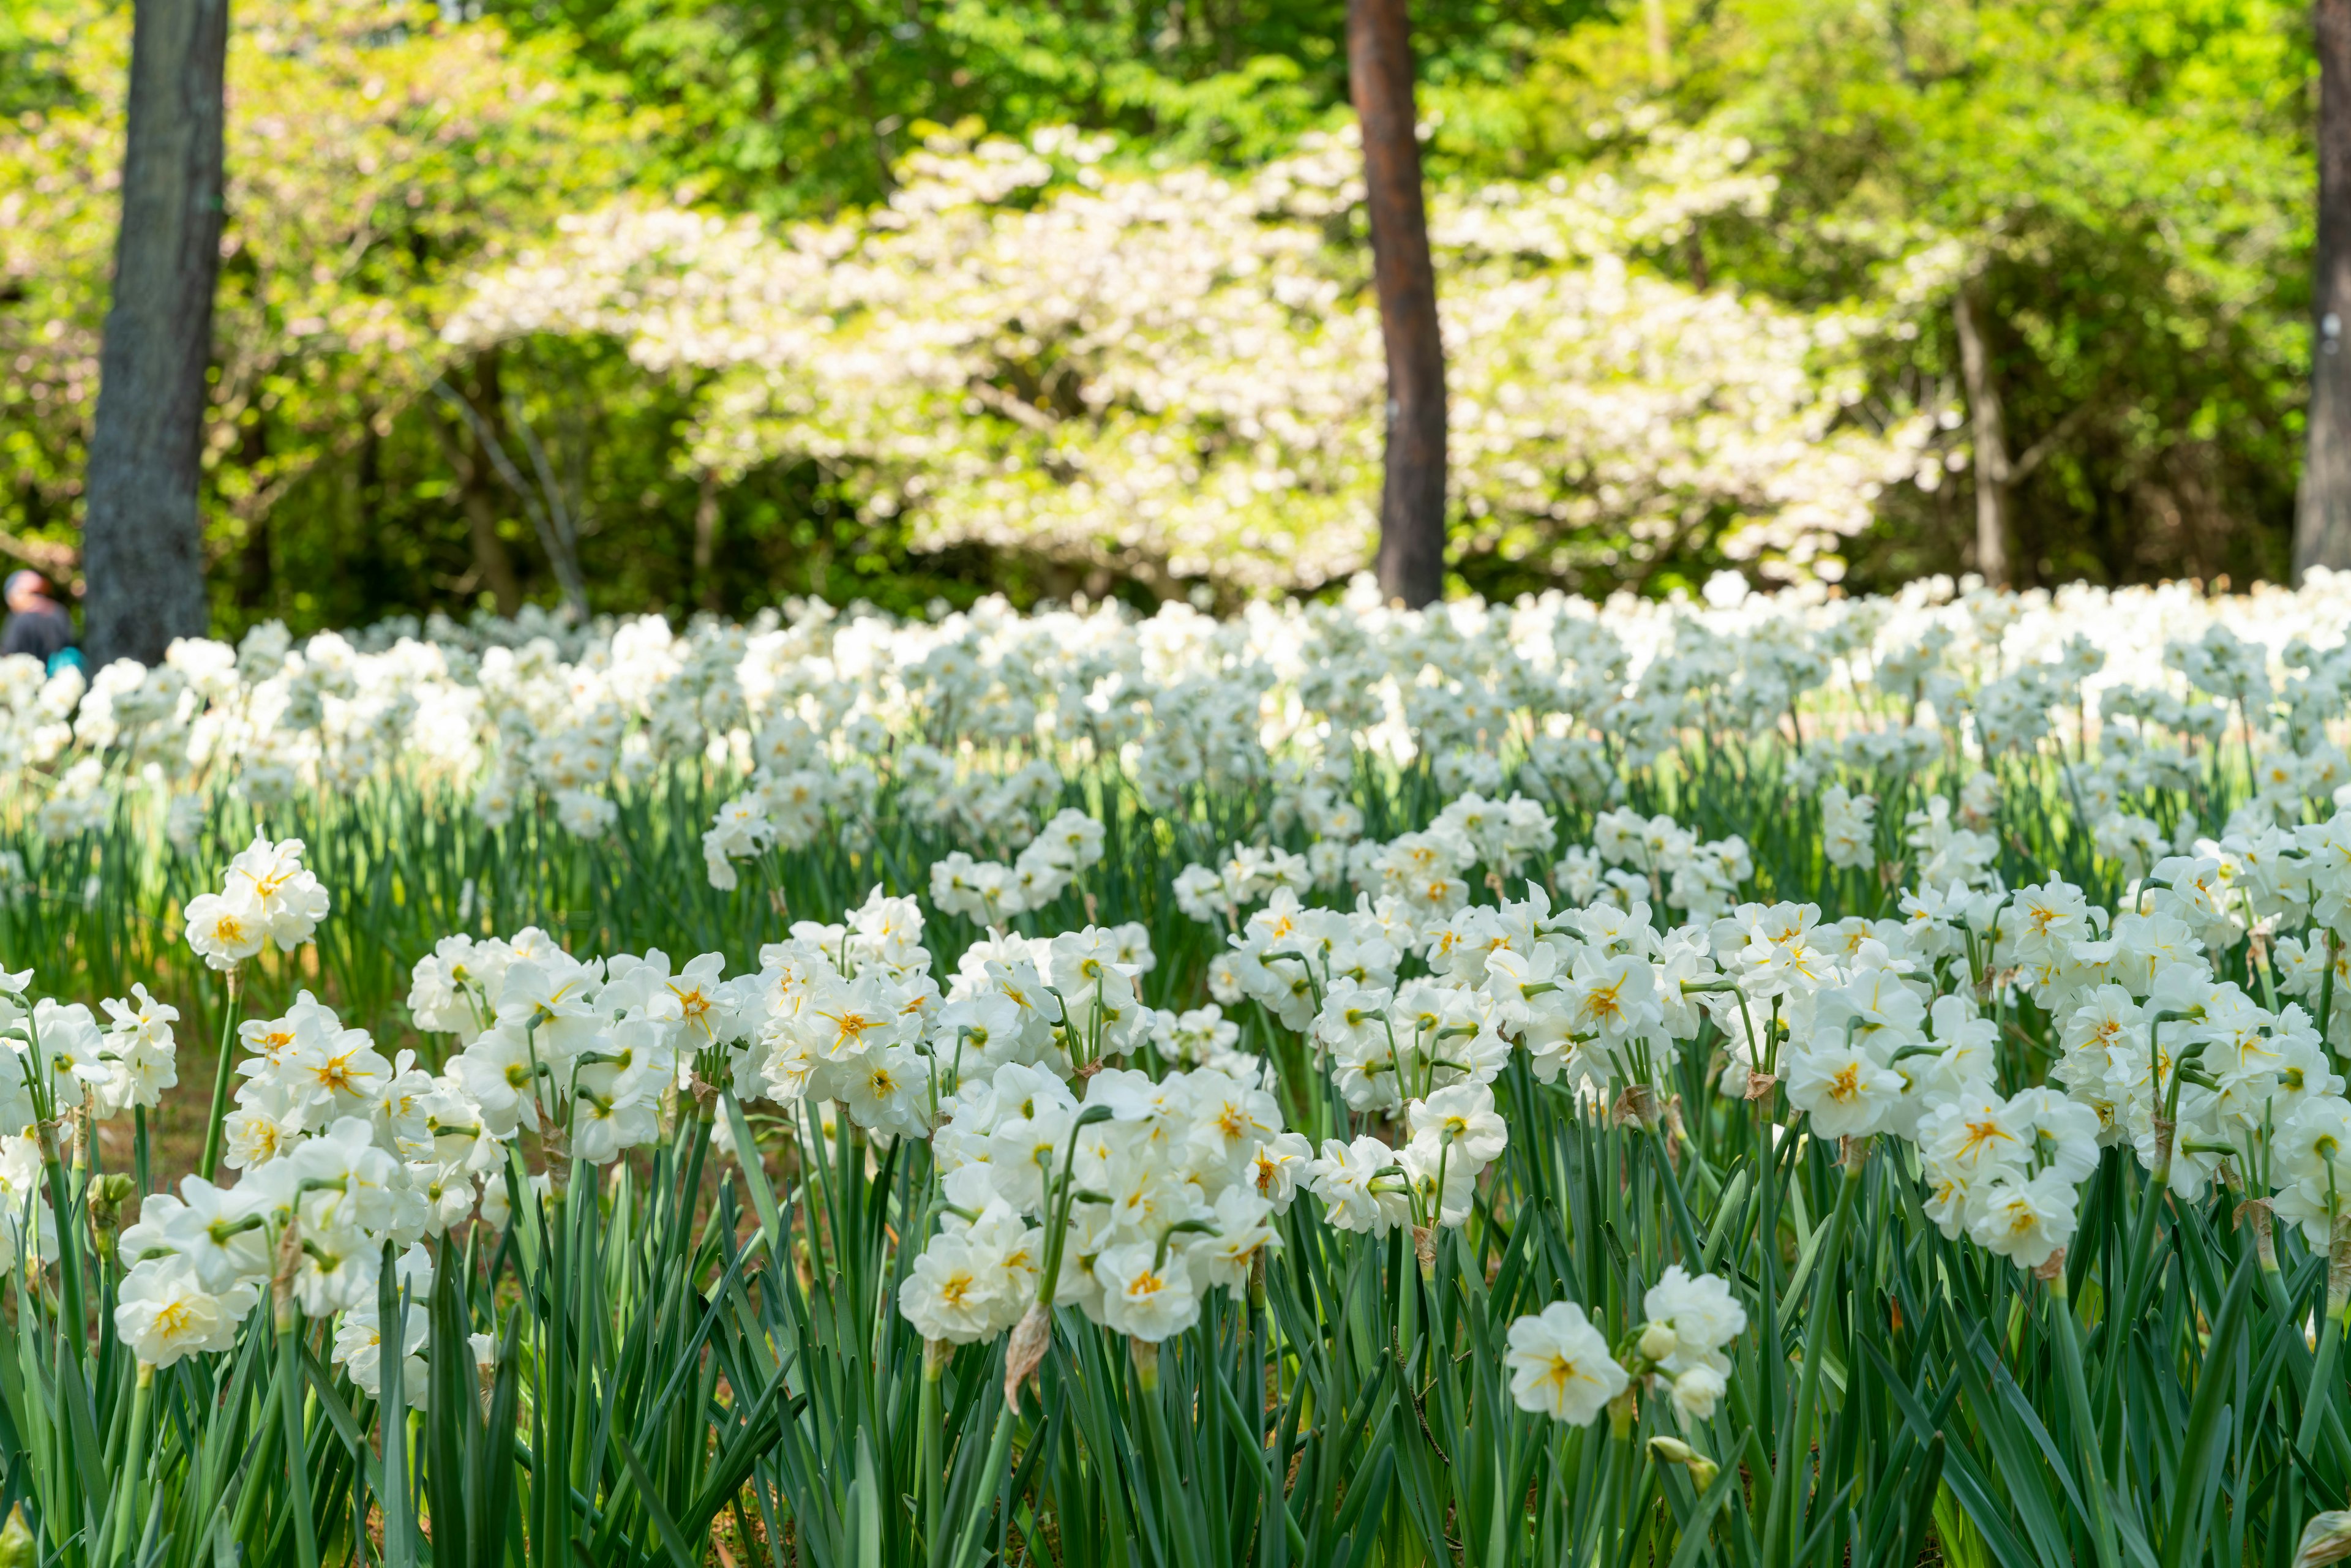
column 2322, row 523
column 1989, row 427
column 142, row 543
column 1412, row 501
column 465, row 441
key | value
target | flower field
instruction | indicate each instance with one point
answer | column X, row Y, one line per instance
column 1761, row 1081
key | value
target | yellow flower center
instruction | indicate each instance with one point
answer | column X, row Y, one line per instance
column 1982, row 1134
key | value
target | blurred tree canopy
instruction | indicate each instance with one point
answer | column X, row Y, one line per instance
column 2131, row 185
column 2125, row 183
column 806, row 106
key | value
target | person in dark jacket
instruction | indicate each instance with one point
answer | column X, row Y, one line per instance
column 38, row 624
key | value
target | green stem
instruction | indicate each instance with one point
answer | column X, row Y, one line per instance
column 2326, row 986
column 999, row 1453
column 1766, row 1256
column 1616, row 1453
column 2142, row 1245
column 1782, row 1523
column 1180, row 1522
column 61, row 1205
column 248, row 1504
column 2330, row 1345
column 290, row 1409
column 932, row 1436
column 1694, row 1256
column 2077, row 1393
column 2331, row 1424
column 133, row 1472
column 2330, row 1338
column 211, row 1168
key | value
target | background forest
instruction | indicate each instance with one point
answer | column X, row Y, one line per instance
column 681, row 304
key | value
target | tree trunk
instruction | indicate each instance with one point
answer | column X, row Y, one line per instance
column 142, row 537
column 1991, row 436
column 705, row 541
column 492, row 566
column 478, row 496
column 2322, row 523
column 1412, row 499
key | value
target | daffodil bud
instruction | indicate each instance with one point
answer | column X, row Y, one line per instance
column 106, row 1195
column 1673, row 1451
column 2326, row 1539
column 16, row 1547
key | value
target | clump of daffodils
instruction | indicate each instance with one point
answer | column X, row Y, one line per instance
column 795, row 789
column 1562, row 1365
column 62, row 1061
column 268, row 895
column 1128, row 1197
column 1146, row 1194
column 1690, row 1318
column 1596, row 997
column 990, row 891
column 344, row 1154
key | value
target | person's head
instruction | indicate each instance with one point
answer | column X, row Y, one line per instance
column 29, row 590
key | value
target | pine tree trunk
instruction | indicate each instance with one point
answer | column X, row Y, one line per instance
column 1412, row 500
column 2322, row 524
column 1989, row 431
column 142, row 538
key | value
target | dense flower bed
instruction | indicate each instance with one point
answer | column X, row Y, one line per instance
column 1786, row 1080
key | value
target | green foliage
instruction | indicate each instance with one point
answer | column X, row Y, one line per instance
column 804, row 106
column 34, row 74
column 2131, row 182
column 376, row 155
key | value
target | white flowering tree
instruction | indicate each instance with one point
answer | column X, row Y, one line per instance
column 1178, row 375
